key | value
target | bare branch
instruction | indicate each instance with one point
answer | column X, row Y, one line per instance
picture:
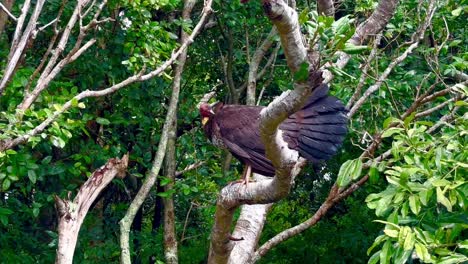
column 19, row 27
column 290, row 232
column 8, row 12
column 81, row 50
column 255, row 62
column 433, row 109
column 372, row 26
column 287, row 162
column 170, row 238
column 363, row 77
column 17, row 49
column 248, row 229
column 52, row 69
column 72, row 213
column 189, row 168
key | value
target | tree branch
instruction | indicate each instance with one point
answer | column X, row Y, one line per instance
column 372, row 26
column 170, row 238
column 254, row 64
column 8, row 12
column 336, row 194
column 72, row 213
column 17, row 48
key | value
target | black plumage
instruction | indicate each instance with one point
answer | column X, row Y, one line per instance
column 316, row 131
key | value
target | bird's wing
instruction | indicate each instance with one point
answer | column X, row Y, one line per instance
column 239, row 129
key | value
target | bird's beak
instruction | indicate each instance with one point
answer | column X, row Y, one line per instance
column 205, row 120
column 212, row 112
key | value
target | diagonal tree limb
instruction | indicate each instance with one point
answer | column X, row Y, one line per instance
column 72, row 213
column 7, row 11
column 254, row 64
column 17, row 48
column 372, row 26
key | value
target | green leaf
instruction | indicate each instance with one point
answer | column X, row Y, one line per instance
column 74, row 102
column 443, row 200
column 393, row 130
column 377, row 242
column 421, row 251
column 6, row 184
column 36, row 211
column 5, row 211
column 373, row 174
column 46, row 160
column 375, row 258
column 440, row 183
column 457, row 12
column 391, row 233
column 102, row 121
column 354, row 49
column 4, row 220
column 32, row 176
column 58, row 142
column 390, row 121
column 81, row 105
column 408, row 119
column 386, row 253
column 409, row 242
column 349, row 170
column 304, row 16
column 463, row 244
column 414, row 204
column 302, row 73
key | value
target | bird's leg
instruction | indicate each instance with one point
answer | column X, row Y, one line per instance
column 246, row 174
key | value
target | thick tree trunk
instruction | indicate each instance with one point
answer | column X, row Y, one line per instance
column 72, row 213
column 170, row 238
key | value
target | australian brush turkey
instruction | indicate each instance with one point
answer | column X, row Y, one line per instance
column 316, row 131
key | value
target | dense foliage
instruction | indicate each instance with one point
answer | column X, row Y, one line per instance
column 416, row 197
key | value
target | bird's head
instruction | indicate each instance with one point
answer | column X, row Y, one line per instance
column 206, row 112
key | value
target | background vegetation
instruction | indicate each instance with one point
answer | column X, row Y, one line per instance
column 418, row 194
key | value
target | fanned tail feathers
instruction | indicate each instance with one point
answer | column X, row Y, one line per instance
column 319, row 128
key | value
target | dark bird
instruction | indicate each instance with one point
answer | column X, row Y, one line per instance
column 316, row 131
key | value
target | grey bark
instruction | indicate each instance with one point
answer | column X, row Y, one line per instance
column 72, row 213
column 170, row 238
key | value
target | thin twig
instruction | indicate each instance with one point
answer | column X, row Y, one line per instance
column 8, row 12
column 186, row 221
